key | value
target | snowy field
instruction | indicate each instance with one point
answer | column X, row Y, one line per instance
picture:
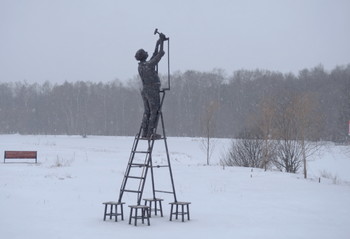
column 62, row 195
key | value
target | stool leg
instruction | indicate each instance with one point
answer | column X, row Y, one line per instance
column 143, row 215
column 177, row 211
column 155, row 208
column 148, row 216
column 188, row 212
column 183, row 214
column 111, row 211
column 121, row 209
column 104, row 216
column 171, row 212
column 136, row 209
column 150, row 209
column 160, row 208
column 130, row 215
column 116, row 212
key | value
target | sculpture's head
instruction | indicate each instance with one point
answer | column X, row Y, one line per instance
column 141, row 55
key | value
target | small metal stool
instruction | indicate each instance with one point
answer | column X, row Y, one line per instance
column 113, row 213
column 145, row 214
column 182, row 212
column 156, row 208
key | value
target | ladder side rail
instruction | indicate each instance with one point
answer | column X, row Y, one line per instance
column 168, row 157
column 151, row 144
column 159, row 109
column 142, row 182
column 160, row 116
column 128, row 167
column 162, row 99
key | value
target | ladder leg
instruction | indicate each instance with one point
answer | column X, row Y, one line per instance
column 168, row 158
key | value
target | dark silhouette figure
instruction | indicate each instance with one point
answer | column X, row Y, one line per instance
column 148, row 71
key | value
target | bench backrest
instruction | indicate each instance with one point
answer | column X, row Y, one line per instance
column 20, row 155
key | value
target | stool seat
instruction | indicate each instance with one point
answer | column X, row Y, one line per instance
column 113, row 213
column 145, row 214
column 183, row 210
column 157, row 205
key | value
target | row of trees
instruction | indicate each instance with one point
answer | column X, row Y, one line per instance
column 80, row 108
column 286, row 128
column 209, row 104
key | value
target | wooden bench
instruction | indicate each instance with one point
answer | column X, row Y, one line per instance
column 20, row 155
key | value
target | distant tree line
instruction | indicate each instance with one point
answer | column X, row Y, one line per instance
column 258, row 100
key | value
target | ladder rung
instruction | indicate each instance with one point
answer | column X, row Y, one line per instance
column 160, row 166
column 141, row 152
column 138, row 165
column 151, row 139
column 160, row 191
column 135, row 177
column 131, row 191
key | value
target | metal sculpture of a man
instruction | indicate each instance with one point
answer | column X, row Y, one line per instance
column 148, row 71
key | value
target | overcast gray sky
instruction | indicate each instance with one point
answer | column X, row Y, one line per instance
column 96, row 40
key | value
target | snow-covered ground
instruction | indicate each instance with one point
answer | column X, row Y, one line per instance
column 62, row 195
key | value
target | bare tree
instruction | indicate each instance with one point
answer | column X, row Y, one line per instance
column 266, row 126
column 307, row 121
column 209, row 126
column 245, row 152
column 295, row 127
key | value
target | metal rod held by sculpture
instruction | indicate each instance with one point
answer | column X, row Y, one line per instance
column 168, row 40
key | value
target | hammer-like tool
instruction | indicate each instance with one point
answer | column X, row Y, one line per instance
column 156, row 31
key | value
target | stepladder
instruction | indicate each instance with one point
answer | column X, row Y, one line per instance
column 142, row 164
